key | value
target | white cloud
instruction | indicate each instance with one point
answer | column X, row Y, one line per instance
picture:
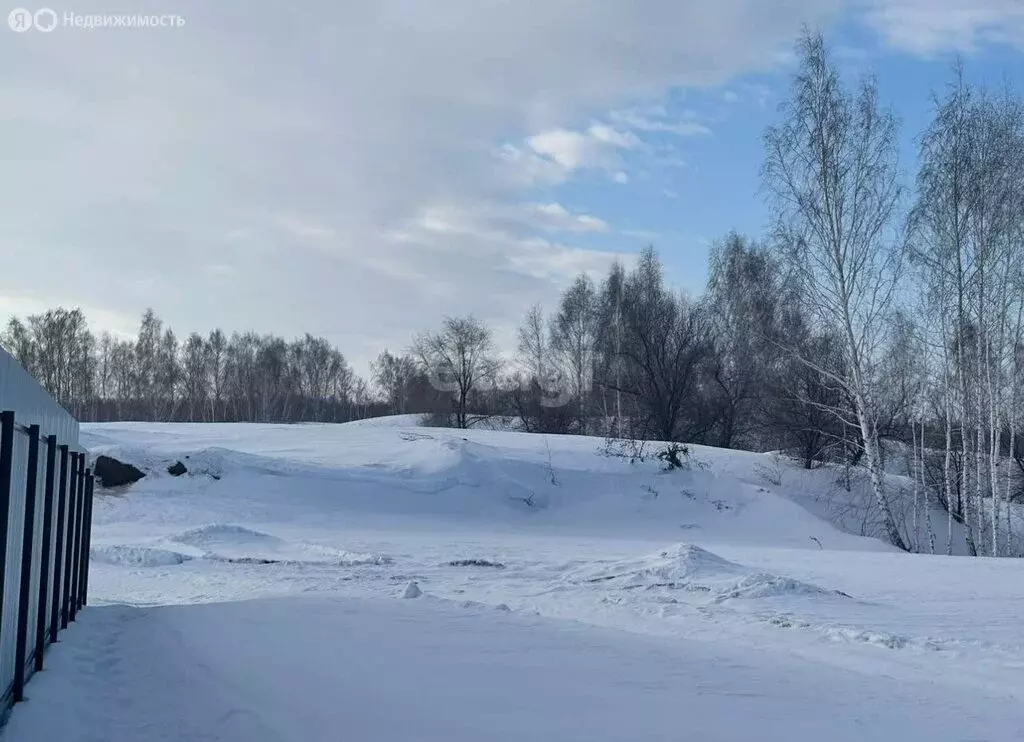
column 557, row 218
column 657, row 119
column 495, row 222
column 929, row 27
column 551, row 262
column 607, row 135
column 330, row 167
column 730, row 97
column 597, row 148
column 524, row 168
column 554, row 156
column 24, row 304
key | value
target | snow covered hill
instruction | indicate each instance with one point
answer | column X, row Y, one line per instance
column 725, row 584
column 504, row 480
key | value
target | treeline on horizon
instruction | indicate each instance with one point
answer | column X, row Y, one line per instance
column 868, row 321
column 626, row 357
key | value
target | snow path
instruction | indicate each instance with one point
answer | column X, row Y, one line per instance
column 324, row 669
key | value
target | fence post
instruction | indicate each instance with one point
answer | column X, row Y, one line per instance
column 47, row 551
column 28, row 535
column 69, row 544
column 6, row 470
column 76, row 572
column 90, row 482
column 58, row 545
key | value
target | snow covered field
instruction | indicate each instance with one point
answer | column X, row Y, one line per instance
column 562, row 595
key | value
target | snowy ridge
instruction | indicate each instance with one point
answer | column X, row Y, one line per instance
column 539, row 472
column 497, row 477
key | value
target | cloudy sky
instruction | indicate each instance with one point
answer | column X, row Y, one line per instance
column 360, row 169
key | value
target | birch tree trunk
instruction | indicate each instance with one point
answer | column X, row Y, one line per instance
column 947, row 479
column 965, row 472
column 1009, row 478
column 995, row 445
column 914, row 469
column 927, row 504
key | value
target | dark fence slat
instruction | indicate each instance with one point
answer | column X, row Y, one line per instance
column 83, row 551
column 46, row 555
column 69, row 542
column 28, row 535
column 59, row 544
column 6, row 498
column 90, row 484
column 76, row 572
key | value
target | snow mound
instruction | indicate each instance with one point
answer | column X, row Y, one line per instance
column 225, row 535
column 233, row 543
column 211, row 462
column 763, row 585
column 136, row 556
column 681, row 566
column 881, row 638
column 693, row 569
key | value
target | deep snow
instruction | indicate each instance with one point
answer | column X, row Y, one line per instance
column 554, row 593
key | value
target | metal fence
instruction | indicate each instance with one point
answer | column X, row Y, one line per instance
column 46, row 493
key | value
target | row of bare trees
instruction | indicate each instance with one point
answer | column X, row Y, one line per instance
column 926, row 304
column 967, row 250
column 244, row 377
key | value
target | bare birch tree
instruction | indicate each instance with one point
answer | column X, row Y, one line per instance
column 574, row 331
column 459, row 359
column 831, row 170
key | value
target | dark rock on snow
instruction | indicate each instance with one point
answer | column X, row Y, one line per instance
column 113, row 473
column 475, row 563
column 177, row 469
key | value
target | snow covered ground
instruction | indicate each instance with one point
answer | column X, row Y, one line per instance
column 562, row 595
